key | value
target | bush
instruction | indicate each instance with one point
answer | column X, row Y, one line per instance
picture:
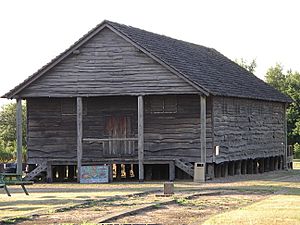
column 297, row 151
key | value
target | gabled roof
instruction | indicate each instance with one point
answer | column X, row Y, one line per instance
column 203, row 67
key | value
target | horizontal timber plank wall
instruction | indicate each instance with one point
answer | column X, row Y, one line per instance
column 247, row 129
column 52, row 127
column 176, row 135
column 107, row 65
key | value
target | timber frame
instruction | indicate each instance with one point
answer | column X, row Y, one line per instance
column 121, row 95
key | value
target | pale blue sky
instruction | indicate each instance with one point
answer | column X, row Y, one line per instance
column 34, row 31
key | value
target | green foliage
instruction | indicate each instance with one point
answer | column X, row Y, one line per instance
column 297, row 150
column 250, row 66
column 289, row 84
column 8, row 132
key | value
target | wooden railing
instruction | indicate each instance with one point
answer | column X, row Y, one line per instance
column 115, row 146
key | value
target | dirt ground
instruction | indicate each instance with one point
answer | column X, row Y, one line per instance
column 210, row 203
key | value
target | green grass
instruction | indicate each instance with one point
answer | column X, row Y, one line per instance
column 282, row 186
column 282, row 207
column 296, row 165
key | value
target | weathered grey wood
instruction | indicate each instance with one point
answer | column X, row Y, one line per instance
column 231, row 168
column 261, row 165
column 249, row 166
column 49, row 173
column 79, row 137
column 108, row 65
column 141, row 137
column 203, row 128
column 111, row 173
column 238, row 165
column 210, row 171
column 247, row 129
column 171, row 171
column 52, row 135
column 19, row 135
column 285, row 155
column 118, row 171
column 277, row 163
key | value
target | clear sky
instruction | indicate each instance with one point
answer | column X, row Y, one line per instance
column 34, row 31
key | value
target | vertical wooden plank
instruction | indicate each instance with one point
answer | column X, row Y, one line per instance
column 141, row 137
column 19, row 135
column 79, row 137
column 49, row 172
column 203, row 128
column 111, row 173
column 285, row 138
column 171, row 171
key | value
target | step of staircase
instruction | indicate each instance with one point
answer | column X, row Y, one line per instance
column 37, row 171
column 185, row 166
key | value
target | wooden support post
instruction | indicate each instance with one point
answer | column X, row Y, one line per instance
column 118, row 172
column 210, row 170
column 224, row 169
column 19, row 135
column 111, row 175
column 61, row 173
column 217, row 170
column 282, row 162
column 249, row 166
column 255, row 166
column 49, row 173
column 231, row 168
column 127, row 170
column 79, row 137
column 244, row 167
column 276, row 164
column 71, row 172
column 285, row 150
column 237, row 167
column 141, row 137
column 171, row 171
column 136, row 171
column 203, row 128
column 267, row 164
column 261, row 165
column 271, row 163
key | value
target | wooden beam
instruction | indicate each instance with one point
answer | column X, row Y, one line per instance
column 79, row 137
column 171, row 171
column 203, row 128
column 19, row 135
column 141, row 137
column 49, row 172
column 285, row 139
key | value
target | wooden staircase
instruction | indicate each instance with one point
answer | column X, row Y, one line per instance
column 185, row 166
column 38, row 171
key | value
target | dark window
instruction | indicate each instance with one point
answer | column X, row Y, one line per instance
column 163, row 104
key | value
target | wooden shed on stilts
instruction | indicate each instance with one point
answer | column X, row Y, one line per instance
column 150, row 107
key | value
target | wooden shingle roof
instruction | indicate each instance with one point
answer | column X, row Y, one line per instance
column 205, row 67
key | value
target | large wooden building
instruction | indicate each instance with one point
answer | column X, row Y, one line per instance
column 153, row 104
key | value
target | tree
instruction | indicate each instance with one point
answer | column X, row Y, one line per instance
column 250, row 66
column 276, row 78
column 289, row 84
column 8, row 132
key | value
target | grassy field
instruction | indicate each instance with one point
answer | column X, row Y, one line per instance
column 296, row 164
column 269, row 198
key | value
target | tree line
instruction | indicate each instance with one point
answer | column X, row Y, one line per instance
column 288, row 82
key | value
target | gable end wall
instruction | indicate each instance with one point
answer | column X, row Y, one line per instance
column 107, row 65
